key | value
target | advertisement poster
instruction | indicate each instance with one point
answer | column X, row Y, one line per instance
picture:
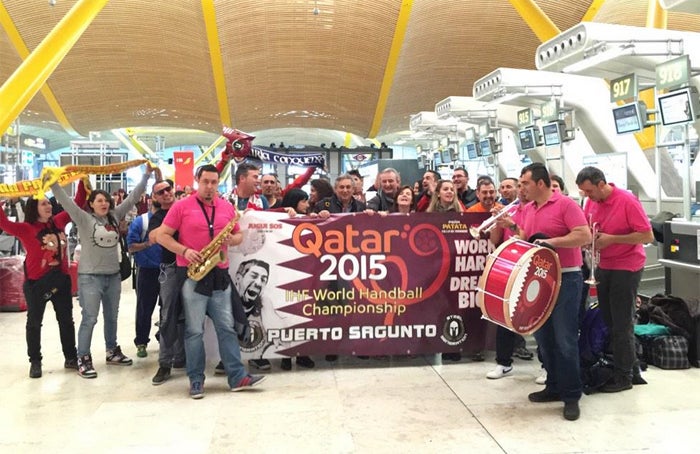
column 184, row 168
column 360, row 284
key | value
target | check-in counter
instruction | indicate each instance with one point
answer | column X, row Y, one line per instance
column 681, row 258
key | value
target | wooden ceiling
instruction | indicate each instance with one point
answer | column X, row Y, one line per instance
column 360, row 66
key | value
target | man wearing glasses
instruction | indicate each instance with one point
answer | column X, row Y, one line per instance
column 147, row 256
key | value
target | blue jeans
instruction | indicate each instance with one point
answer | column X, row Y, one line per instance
column 218, row 307
column 557, row 340
column 93, row 289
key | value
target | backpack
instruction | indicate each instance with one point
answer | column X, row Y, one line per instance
column 593, row 336
column 596, row 366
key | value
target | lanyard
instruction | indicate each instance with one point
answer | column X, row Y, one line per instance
column 210, row 222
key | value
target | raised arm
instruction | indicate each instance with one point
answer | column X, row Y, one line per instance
column 121, row 211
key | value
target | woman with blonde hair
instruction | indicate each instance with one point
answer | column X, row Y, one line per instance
column 444, row 198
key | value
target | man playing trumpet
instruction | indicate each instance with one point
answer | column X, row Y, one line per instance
column 622, row 228
column 199, row 219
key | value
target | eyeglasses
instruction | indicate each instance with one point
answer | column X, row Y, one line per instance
column 164, row 190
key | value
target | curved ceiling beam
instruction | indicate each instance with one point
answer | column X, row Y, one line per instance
column 541, row 25
column 394, row 53
column 23, row 51
column 217, row 65
column 592, row 10
column 657, row 17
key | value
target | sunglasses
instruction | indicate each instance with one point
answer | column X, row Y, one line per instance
column 164, row 190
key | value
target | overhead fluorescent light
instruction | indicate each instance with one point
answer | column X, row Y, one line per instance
column 597, row 59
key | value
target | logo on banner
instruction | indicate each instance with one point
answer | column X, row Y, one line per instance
column 453, row 332
column 257, row 337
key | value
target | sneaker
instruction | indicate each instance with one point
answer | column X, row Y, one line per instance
column 542, row 379
column 571, row 410
column 248, row 382
column 305, row 362
column 85, row 368
column 219, row 369
column 161, row 376
column 35, row 369
column 71, row 364
column 260, row 364
column 115, row 357
column 141, row 351
column 499, row 372
column 523, row 353
column 197, row 389
column 543, row 396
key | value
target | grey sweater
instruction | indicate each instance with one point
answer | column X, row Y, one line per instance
column 98, row 239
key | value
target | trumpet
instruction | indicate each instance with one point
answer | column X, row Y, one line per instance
column 490, row 223
column 592, row 255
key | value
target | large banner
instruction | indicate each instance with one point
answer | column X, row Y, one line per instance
column 360, row 284
column 184, row 168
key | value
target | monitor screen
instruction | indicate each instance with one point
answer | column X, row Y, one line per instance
column 446, row 156
column 471, row 150
column 676, row 107
column 628, row 118
column 485, row 147
column 552, row 134
column 437, row 159
column 527, row 139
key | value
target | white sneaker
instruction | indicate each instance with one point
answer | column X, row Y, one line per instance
column 499, row 372
column 542, row 379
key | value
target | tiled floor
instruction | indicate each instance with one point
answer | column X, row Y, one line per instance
column 398, row 406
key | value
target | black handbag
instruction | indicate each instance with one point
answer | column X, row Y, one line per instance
column 125, row 263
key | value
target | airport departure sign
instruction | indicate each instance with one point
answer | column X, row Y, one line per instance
column 673, row 73
column 623, row 88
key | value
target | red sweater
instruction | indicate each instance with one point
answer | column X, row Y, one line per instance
column 45, row 244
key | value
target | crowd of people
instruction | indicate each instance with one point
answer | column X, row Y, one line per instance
column 168, row 235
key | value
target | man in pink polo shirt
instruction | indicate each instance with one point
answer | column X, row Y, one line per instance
column 560, row 220
column 623, row 228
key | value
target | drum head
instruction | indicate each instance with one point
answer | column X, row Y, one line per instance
column 534, row 289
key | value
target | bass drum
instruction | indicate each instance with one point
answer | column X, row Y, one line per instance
column 519, row 286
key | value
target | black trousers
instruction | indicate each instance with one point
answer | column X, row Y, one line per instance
column 36, row 306
column 147, row 289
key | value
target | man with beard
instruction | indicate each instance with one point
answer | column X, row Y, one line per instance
column 429, row 183
column 486, row 193
column 205, row 216
column 460, row 178
column 251, row 278
column 270, row 188
column 561, row 221
column 508, row 190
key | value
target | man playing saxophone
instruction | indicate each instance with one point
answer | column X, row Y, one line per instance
column 200, row 220
column 622, row 228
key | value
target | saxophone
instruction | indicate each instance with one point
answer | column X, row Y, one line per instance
column 212, row 254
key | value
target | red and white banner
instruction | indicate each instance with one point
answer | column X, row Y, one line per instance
column 359, row 284
column 184, row 168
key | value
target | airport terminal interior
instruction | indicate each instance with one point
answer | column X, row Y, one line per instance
column 415, row 85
